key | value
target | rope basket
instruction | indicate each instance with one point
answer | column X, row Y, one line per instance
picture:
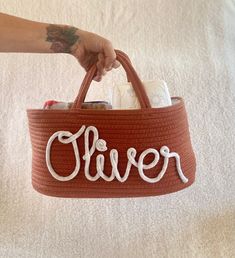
column 82, row 153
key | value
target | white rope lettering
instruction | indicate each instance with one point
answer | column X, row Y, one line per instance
column 101, row 146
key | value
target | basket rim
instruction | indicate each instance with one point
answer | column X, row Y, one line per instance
column 179, row 103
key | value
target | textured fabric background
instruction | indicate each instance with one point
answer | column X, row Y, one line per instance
column 191, row 45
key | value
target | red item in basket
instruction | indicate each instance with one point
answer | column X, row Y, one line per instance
column 49, row 103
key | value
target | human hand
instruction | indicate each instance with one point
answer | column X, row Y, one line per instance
column 91, row 48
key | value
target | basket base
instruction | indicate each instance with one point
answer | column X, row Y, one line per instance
column 117, row 194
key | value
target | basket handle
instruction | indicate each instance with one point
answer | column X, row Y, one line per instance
column 131, row 75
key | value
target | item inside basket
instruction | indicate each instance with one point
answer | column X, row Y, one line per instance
column 123, row 97
column 52, row 104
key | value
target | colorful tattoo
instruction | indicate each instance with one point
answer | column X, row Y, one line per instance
column 62, row 38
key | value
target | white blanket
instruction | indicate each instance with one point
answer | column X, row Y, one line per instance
column 124, row 96
column 188, row 43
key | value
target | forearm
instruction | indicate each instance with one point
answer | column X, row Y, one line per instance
column 21, row 35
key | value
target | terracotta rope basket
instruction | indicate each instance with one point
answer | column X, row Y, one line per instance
column 84, row 153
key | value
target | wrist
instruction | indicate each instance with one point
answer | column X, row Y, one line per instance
column 63, row 38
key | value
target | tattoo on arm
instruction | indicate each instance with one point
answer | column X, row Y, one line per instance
column 62, row 38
